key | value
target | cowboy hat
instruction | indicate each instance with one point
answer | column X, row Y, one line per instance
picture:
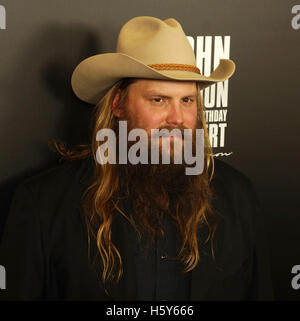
column 148, row 48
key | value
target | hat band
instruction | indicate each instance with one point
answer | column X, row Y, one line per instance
column 175, row 67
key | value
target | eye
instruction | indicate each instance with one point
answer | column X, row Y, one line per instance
column 157, row 99
column 188, row 100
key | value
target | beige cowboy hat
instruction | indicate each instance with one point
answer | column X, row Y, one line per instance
column 147, row 48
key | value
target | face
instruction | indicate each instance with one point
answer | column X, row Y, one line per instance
column 154, row 104
column 158, row 104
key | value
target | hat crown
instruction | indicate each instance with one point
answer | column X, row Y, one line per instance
column 155, row 41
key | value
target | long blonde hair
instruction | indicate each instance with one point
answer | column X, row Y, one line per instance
column 100, row 202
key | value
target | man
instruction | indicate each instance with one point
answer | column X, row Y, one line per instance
column 122, row 231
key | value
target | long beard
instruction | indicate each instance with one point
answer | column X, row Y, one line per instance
column 155, row 190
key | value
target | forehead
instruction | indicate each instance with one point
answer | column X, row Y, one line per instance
column 172, row 87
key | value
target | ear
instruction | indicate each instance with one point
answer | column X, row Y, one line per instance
column 116, row 109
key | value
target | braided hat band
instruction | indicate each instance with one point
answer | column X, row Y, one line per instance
column 175, row 67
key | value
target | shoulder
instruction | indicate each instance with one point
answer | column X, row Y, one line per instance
column 231, row 179
column 234, row 191
column 58, row 179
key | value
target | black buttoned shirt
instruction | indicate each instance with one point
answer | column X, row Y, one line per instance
column 159, row 276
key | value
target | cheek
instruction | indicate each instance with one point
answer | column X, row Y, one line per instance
column 148, row 120
column 140, row 115
column 190, row 118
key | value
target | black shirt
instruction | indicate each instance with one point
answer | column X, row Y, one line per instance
column 44, row 248
column 159, row 276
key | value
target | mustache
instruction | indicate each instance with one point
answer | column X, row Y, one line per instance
column 167, row 131
column 171, row 131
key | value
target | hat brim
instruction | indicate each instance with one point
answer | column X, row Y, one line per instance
column 95, row 75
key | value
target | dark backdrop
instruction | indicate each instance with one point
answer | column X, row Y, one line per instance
column 42, row 41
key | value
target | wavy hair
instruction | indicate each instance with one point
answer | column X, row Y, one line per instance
column 100, row 200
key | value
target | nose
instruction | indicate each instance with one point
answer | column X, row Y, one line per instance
column 174, row 116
